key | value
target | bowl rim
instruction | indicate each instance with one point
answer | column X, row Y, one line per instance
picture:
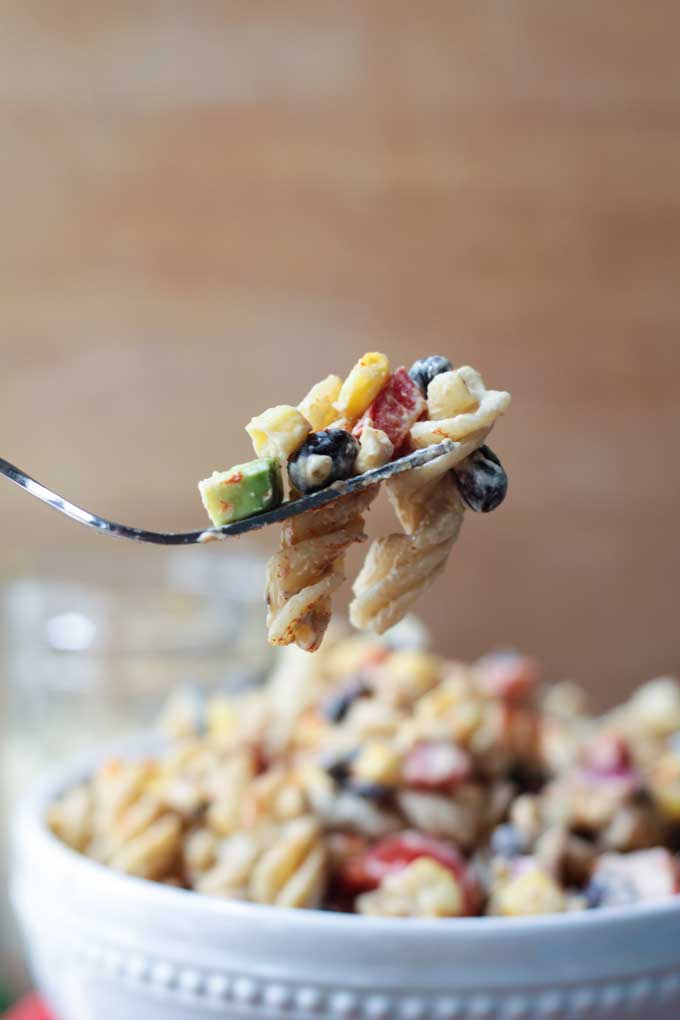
column 28, row 828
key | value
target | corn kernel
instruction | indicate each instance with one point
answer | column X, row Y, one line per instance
column 413, row 672
column 317, row 406
column 278, row 431
column 424, row 888
column 532, row 892
column 447, row 696
column 377, row 763
column 362, row 385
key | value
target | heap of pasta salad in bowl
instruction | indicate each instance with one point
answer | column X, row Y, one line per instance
column 347, row 428
column 386, row 781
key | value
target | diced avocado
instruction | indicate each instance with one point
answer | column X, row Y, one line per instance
column 244, row 490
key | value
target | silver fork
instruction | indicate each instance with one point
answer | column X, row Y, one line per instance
column 291, row 508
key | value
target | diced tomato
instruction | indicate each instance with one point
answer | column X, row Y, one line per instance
column 394, row 853
column 508, row 676
column 396, row 408
column 436, row 765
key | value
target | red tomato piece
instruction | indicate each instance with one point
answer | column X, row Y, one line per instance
column 396, row 408
column 367, row 870
column 508, row 676
column 436, row 765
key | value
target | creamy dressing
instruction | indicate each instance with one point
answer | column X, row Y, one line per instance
column 315, row 469
column 211, row 536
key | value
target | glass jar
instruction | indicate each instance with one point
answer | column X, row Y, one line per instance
column 92, row 647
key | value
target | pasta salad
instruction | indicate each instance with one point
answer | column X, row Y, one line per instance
column 384, row 780
column 346, row 428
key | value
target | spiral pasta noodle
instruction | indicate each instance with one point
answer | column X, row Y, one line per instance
column 308, row 568
column 285, row 866
column 410, row 493
column 120, row 822
column 399, row 568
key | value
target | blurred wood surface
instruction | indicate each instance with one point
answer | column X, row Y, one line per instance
column 204, row 207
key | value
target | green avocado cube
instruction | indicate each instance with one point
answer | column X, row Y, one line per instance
column 244, row 490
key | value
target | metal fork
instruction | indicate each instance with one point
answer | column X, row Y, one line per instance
column 291, row 508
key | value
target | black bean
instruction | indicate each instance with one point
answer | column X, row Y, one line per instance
column 378, row 792
column 529, row 778
column 424, row 370
column 337, row 705
column 325, row 457
column 482, row 481
column 338, row 766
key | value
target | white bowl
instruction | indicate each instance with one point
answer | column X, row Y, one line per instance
column 103, row 946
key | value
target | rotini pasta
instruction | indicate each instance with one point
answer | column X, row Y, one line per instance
column 235, row 858
column 399, row 568
column 152, row 852
column 306, row 571
column 427, row 501
column 456, row 817
column 71, row 819
column 291, row 873
column 283, row 865
column 318, row 406
column 488, row 406
column 226, row 787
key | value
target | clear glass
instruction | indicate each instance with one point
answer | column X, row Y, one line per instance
column 93, row 646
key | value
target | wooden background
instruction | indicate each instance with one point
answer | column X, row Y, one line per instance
column 206, row 206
